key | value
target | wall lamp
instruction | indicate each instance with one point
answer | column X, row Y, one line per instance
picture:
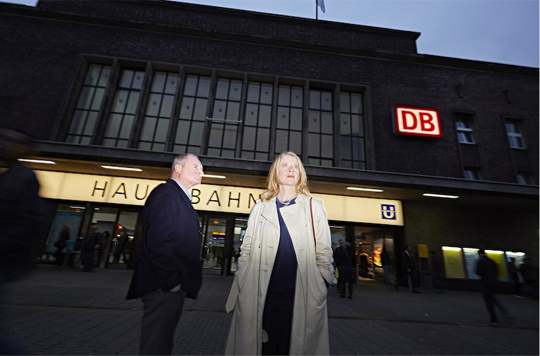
column 440, row 196
column 36, row 161
column 122, row 168
column 213, row 176
column 366, row 189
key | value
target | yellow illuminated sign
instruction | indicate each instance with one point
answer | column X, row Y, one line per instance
column 453, row 262
column 206, row 197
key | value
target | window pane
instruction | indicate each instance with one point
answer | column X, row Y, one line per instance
column 283, row 118
column 197, row 129
column 248, row 142
column 161, row 131
column 266, row 93
column 147, row 132
column 295, row 143
column 263, row 140
column 296, row 119
column 153, row 105
column 265, row 113
column 158, row 83
column 190, row 86
column 166, row 106
column 200, row 109
column 186, row 110
column 251, row 114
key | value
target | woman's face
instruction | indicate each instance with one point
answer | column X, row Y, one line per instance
column 288, row 171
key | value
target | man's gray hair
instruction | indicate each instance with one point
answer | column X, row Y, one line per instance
column 181, row 160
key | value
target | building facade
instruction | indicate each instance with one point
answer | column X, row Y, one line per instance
column 131, row 84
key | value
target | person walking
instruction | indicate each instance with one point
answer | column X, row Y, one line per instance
column 60, row 244
column 280, row 288
column 437, row 272
column 344, row 262
column 408, row 270
column 90, row 246
column 385, row 261
column 22, row 224
column 169, row 266
column 486, row 268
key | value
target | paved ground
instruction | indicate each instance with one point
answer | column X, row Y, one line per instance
column 69, row 312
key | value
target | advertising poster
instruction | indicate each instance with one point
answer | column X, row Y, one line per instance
column 471, row 257
column 498, row 257
column 453, row 262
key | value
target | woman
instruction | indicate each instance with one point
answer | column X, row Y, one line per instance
column 280, row 288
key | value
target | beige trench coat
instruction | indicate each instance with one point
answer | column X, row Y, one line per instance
column 258, row 252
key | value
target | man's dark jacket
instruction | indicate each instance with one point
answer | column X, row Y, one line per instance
column 170, row 252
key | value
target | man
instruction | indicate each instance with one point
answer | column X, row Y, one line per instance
column 344, row 260
column 91, row 244
column 486, row 268
column 22, row 223
column 169, row 266
column 385, row 261
column 408, row 267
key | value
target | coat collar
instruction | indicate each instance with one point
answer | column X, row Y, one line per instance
column 269, row 209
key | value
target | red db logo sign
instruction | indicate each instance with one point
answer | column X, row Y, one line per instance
column 417, row 121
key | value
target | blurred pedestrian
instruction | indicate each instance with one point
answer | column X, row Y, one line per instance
column 387, row 266
column 514, row 275
column 121, row 246
column 169, row 266
column 486, row 268
column 529, row 272
column 344, row 262
column 21, row 220
column 408, row 268
column 90, row 246
column 60, row 244
column 363, row 262
column 280, row 290
column 437, row 272
column 105, row 239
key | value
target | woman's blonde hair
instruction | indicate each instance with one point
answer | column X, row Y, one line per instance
column 273, row 178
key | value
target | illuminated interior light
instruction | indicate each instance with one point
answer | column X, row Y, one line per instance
column 448, row 248
column 36, row 161
column 471, row 250
column 440, row 196
column 213, row 176
column 494, row 252
column 122, row 168
column 77, row 207
column 366, row 189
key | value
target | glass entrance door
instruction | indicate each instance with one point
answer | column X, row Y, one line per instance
column 222, row 238
column 214, row 236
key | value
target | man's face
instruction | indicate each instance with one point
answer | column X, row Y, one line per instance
column 190, row 174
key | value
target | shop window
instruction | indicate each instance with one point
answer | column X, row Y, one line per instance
column 256, row 136
column 122, row 115
column 192, row 117
column 320, row 128
column 464, row 127
column 352, row 137
column 159, row 109
column 86, row 115
column 225, row 118
column 515, row 134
